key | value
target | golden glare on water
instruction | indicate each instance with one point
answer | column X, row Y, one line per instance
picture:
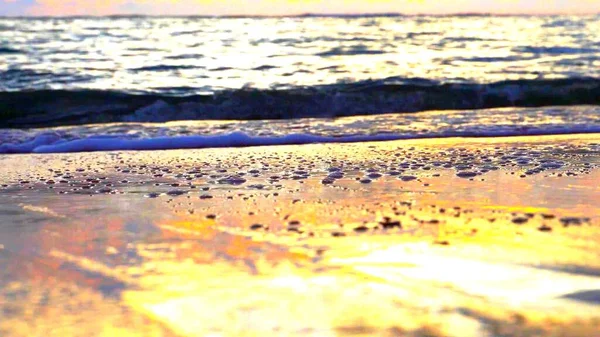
column 186, row 55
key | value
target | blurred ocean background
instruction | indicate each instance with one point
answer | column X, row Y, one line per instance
column 102, row 80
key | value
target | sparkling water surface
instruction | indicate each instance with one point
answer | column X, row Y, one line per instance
column 183, row 55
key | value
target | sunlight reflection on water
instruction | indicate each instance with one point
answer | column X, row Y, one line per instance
column 206, row 54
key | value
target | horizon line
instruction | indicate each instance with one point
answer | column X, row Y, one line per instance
column 299, row 15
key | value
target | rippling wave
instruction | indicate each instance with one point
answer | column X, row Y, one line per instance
column 391, row 95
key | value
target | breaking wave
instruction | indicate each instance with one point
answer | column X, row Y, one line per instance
column 20, row 109
column 203, row 134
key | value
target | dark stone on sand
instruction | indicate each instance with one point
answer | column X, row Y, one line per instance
column 545, row 228
column 232, row 180
column 466, row 174
column 388, row 223
column 520, row 220
column 407, row 178
column 335, row 175
column 573, row 221
column 176, row 192
column 256, row 226
column 361, row 229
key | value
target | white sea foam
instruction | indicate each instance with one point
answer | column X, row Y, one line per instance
column 235, row 139
column 51, row 144
column 203, row 134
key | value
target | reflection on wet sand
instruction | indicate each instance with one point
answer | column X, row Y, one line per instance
column 297, row 241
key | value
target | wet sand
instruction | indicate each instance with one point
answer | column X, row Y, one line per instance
column 446, row 237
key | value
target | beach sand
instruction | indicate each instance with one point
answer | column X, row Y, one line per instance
column 439, row 237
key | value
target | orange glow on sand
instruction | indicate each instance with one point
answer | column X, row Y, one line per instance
column 312, row 257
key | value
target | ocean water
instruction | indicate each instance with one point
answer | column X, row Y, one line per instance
column 134, row 83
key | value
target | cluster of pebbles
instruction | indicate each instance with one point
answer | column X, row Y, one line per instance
column 217, row 175
column 257, row 171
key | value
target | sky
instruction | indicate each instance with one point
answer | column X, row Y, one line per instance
column 283, row 7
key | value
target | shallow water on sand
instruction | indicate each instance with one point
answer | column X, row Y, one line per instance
column 453, row 237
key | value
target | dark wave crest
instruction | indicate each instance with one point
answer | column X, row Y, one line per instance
column 391, row 95
column 6, row 50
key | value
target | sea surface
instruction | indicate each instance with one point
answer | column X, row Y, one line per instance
column 139, row 83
